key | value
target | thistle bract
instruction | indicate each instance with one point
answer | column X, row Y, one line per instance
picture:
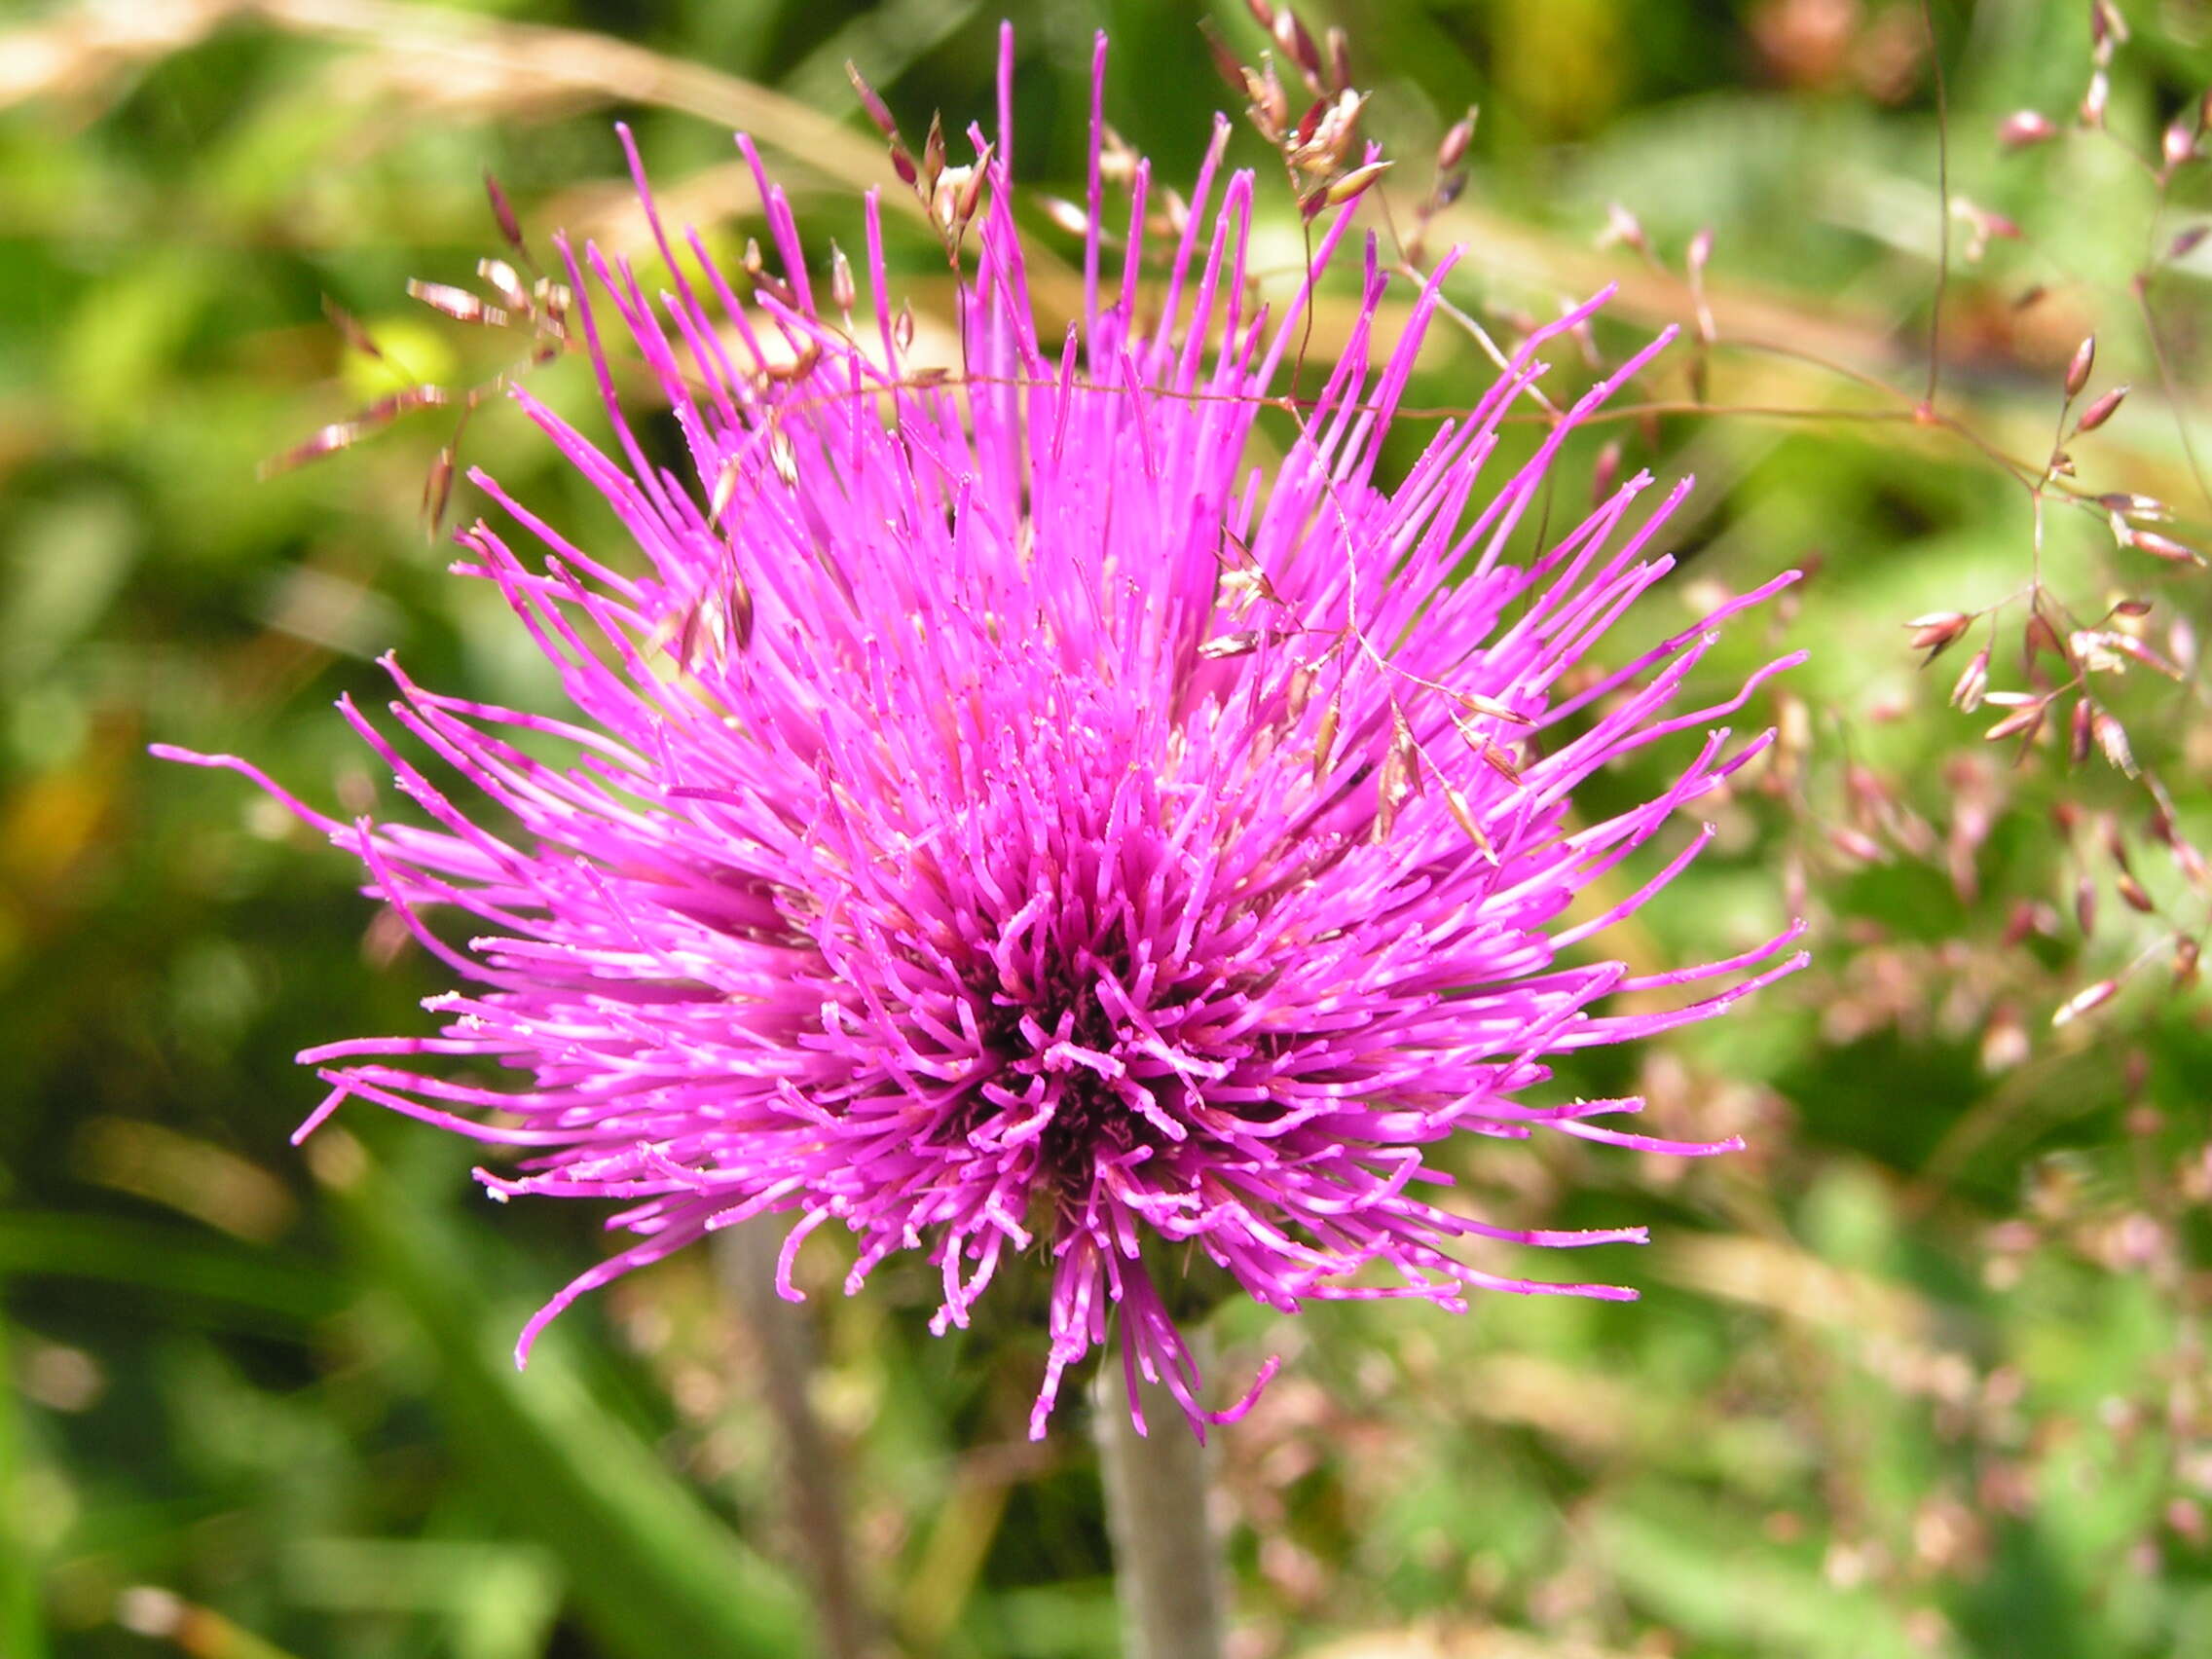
column 1006, row 816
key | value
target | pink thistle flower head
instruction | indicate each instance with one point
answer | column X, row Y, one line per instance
column 1005, row 818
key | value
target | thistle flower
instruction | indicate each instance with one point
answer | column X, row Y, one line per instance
column 1005, row 817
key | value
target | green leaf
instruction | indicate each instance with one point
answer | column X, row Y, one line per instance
column 654, row 1572
column 256, row 1288
column 22, row 1631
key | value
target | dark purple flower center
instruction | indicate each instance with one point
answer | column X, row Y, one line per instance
column 1091, row 1119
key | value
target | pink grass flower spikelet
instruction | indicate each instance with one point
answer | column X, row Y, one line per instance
column 1005, row 818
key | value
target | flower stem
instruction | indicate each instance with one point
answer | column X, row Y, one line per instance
column 1167, row 1569
column 783, row 1337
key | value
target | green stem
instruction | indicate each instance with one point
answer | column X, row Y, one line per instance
column 1167, row 1560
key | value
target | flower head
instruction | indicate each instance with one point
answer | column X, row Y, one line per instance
column 1006, row 816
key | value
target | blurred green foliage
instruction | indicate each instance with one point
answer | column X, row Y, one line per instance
column 1923, row 1372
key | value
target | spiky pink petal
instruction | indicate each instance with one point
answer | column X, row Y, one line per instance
column 1002, row 819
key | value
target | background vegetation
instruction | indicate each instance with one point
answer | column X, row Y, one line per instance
column 1921, row 1372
